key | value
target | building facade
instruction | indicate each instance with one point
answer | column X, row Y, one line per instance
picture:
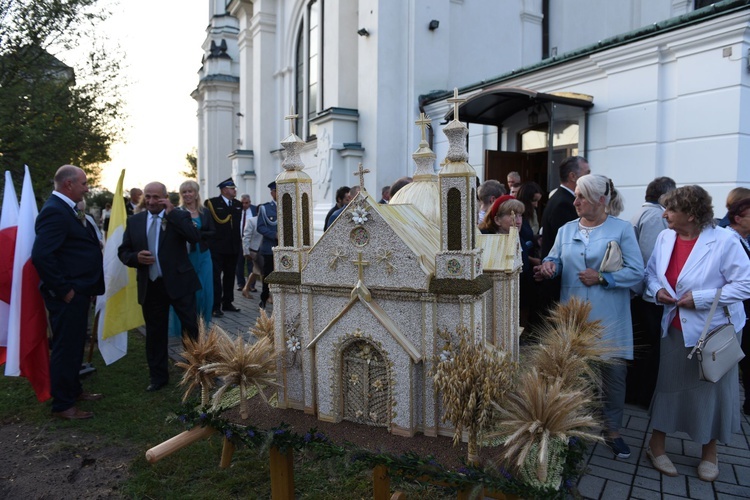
column 643, row 88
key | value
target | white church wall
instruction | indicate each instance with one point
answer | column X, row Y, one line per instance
column 577, row 23
column 666, row 105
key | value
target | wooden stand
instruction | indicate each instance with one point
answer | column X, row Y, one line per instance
column 282, row 474
column 282, row 469
column 177, row 443
column 226, row 454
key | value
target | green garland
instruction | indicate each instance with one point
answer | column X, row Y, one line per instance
column 407, row 466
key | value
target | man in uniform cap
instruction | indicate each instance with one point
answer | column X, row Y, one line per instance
column 226, row 244
column 267, row 222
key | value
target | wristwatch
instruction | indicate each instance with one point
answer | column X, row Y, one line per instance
column 602, row 281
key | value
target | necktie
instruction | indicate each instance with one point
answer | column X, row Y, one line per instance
column 244, row 215
column 153, row 270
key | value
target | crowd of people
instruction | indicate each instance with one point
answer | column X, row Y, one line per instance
column 651, row 281
column 187, row 257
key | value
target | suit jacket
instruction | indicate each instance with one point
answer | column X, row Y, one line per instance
column 267, row 226
column 179, row 275
column 558, row 212
column 66, row 254
column 716, row 261
column 227, row 239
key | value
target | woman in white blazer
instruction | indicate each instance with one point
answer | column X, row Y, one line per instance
column 691, row 260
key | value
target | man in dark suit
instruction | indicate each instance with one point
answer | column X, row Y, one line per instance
column 131, row 205
column 267, row 224
column 226, row 245
column 155, row 243
column 68, row 258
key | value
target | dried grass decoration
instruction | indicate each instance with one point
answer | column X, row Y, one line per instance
column 554, row 399
column 263, row 327
column 197, row 355
column 469, row 379
column 244, row 365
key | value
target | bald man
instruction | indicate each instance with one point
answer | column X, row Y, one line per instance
column 68, row 258
column 155, row 243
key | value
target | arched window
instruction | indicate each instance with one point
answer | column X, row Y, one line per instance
column 454, row 219
column 309, row 69
column 305, row 220
column 288, row 235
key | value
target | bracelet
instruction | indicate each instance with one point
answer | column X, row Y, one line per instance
column 602, row 281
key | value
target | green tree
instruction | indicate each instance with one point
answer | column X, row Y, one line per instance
column 192, row 163
column 52, row 113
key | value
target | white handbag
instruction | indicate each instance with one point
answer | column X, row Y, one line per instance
column 718, row 351
column 612, row 260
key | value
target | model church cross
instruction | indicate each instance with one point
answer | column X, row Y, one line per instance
column 456, row 101
column 361, row 264
column 423, row 122
column 361, row 171
column 292, row 118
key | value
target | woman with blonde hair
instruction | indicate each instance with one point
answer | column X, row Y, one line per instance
column 199, row 255
column 578, row 255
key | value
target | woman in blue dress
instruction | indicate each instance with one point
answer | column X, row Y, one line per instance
column 199, row 255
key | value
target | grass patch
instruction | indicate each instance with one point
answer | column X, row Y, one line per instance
column 131, row 418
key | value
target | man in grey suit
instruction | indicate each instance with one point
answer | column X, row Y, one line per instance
column 155, row 243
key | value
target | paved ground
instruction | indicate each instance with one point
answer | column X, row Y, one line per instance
column 607, row 477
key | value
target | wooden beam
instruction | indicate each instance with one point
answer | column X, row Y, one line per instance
column 177, row 443
column 282, row 474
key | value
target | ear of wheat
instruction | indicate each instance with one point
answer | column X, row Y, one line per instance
column 197, row 354
column 469, row 379
column 264, row 326
column 244, row 365
column 553, row 400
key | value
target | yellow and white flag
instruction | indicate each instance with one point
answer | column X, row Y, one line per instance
column 118, row 309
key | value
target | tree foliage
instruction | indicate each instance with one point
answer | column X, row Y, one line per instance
column 191, row 172
column 54, row 112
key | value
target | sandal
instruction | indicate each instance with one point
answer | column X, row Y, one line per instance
column 663, row 464
column 708, row 471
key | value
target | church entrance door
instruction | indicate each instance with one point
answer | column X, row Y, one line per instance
column 365, row 385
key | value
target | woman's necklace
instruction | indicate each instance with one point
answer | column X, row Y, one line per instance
column 587, row 230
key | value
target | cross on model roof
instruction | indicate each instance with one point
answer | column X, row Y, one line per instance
column 456, row 101
column 423, row 121
column 361, row 171
column 360, row 264
column 292, row 118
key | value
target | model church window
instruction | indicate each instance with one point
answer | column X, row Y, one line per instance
column 306, row 229
column 288, row 234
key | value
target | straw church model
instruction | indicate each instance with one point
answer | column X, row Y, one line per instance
column 358, row 313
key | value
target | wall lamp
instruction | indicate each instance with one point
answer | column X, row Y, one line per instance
column 363, row 32
column 434, row 24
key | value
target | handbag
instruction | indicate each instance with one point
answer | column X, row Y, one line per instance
column 718, row 351
column 612, row 260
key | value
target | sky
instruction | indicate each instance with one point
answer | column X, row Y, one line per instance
column 162, row 45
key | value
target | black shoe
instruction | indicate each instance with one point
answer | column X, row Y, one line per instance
column 239, row 288
column 152, row 387
column 217, row 313
column 231, row 308
column 262, row 304
column 618, row 446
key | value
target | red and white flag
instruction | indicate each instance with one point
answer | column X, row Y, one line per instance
column 8, row 226
column 28, row 347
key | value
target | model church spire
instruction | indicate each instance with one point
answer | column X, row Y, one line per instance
column 294, row 189
column 459, row 257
